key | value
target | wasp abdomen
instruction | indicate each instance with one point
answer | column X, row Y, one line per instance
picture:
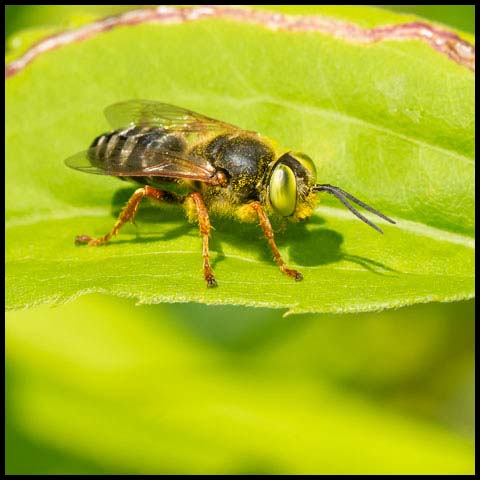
column 133, row 148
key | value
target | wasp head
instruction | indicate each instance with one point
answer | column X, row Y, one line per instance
column 292, row 191
column 289, row 188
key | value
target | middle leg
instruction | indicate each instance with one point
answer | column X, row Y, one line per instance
column 205, row 227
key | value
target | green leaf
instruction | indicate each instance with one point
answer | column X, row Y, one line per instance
column 31, row 16
column 125, row 390
column 392, row 122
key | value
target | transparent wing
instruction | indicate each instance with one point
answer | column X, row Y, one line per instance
column 81, row 161
column 156, row 163
column 157, row 114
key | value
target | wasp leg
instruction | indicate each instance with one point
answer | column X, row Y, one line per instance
column 268, row 231
column 205, row 227
column 128, row 214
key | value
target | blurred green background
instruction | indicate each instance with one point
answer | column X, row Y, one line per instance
column 103, row 386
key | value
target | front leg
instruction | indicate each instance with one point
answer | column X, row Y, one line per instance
column 268, row 231
column 204, row 224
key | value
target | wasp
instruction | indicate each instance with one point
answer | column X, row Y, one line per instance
column 209, row 166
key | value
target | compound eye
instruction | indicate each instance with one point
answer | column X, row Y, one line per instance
column 283, row 190
column 307, row 162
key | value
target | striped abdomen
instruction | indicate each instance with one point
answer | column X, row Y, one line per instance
column 130, row 150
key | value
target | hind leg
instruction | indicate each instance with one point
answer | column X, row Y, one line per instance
column 128, row 214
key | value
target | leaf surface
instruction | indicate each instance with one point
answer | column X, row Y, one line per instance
column 391, row 122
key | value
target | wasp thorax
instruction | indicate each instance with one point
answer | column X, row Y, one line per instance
column 283, row 190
